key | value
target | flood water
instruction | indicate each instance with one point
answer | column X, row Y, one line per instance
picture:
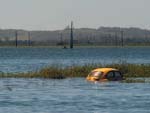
column 73, row 95
column 31, row 59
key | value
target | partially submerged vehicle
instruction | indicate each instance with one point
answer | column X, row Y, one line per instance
column 105, row 74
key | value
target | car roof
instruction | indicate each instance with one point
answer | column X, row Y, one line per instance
column 105, row 70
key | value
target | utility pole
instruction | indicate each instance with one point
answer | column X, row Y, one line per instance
column 29, row 39
column 71, row 36
column 122, row 40
column 16, row 40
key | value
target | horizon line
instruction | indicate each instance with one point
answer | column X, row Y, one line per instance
column 22, row 29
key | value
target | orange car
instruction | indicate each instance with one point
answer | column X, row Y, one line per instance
column 105, row 74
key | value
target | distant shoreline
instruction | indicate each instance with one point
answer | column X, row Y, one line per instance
column 75, row 46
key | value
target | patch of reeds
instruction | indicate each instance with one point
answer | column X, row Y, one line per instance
column 54, row 72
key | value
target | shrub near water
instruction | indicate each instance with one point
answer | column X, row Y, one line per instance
column 54, row 72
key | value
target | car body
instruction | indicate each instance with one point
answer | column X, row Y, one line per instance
column 105, row 74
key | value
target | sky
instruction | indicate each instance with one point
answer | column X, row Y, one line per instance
column 57, row 14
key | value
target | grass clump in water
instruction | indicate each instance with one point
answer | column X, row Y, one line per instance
column 57, row 72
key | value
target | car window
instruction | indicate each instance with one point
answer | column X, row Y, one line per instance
column 117, row 74
column 96, row 73
column 110, row 76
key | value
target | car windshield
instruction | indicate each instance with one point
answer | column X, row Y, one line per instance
column 95, row 74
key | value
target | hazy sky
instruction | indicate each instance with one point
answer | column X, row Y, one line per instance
column 57, row 14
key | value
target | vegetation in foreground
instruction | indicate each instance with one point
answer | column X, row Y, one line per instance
column 56, row 72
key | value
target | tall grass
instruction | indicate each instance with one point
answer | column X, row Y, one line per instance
column 54, row 72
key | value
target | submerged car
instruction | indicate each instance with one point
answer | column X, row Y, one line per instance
column 105, row 74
